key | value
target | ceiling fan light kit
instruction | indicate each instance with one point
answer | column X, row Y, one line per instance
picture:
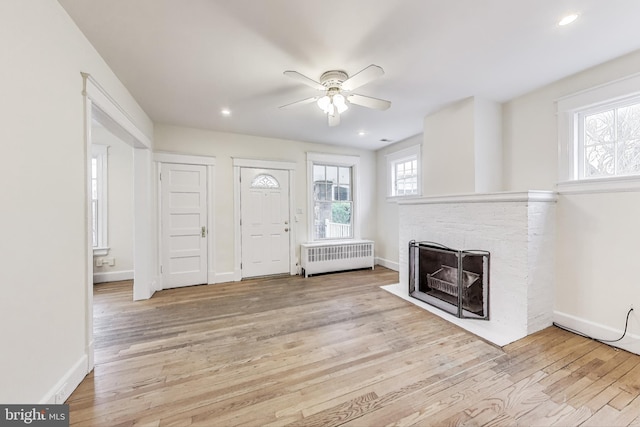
column 335, row 84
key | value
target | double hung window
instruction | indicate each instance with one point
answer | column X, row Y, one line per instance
column 332, row 196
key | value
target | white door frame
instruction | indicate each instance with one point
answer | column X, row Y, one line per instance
column 100, row 105
column 210, row 163
column 261, row 164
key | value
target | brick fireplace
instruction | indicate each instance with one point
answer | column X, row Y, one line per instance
column 517, row 229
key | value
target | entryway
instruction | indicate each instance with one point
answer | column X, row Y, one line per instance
column 265, row 222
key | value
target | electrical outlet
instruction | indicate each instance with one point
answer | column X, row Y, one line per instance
column 98, row 262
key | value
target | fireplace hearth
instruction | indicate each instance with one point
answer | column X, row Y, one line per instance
column 456, row 281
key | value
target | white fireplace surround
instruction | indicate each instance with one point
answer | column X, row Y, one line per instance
column 517, row 228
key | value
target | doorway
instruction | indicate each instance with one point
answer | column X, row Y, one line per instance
column 183, row 224
column 265, row 223
column 102, row 108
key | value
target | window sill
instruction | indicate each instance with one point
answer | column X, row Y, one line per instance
column 396, row 199
column 100, row 251
column 617, row 184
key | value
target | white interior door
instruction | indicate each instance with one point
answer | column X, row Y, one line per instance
column 184, row 220
column 265, row 225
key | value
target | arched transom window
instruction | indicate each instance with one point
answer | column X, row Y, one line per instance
column 265, row 181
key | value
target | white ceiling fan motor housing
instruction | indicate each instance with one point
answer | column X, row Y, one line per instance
column 333, row 79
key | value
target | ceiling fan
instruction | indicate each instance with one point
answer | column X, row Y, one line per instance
column 337, row 87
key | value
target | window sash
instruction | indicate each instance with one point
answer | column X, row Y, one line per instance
column 98, row 196
column 405, row 177
column 604, row 159
column 332, row 201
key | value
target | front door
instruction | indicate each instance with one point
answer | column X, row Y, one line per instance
column 264, row 213
column 184, row 220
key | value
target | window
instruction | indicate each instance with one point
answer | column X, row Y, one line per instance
column 609, row 141
column 599, row 137
column 332, row 204
column 265, row 181
column 99, row 199
column 403, row 172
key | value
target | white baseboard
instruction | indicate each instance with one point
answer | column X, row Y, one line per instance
column 389, row 264
column 225, row 277
column 630, row 342
column 112, row 276
column 69, row 382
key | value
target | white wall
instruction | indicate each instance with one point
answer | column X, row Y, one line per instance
column 42, row 174
column 462, row 148
column 386, row 239
column 597, row 239
column 120, row 204
column 225, row 146
column 449, row 150
column 488, row 146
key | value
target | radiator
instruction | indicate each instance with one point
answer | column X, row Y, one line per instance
column 324, row 257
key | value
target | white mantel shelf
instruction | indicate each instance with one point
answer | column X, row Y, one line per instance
column 502, row 197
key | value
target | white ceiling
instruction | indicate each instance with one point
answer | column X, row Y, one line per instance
column 186, row 60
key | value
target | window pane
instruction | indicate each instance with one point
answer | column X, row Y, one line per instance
column 599, row 128
column 332, row 175
column 629, row 157
column 321, row 216
column 94, row 222
column 599, row 160
column 344, row 176
column 318, row 173
column 629, row 123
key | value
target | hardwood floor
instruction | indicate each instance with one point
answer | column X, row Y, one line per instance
column 334, row 350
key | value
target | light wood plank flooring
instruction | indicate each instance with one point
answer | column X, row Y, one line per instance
column 334, row 350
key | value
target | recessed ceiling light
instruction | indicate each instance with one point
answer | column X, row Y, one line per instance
column 362, row 133
column 225, row 112
column 568, row 19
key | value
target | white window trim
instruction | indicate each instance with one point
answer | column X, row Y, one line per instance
column 334, row 160
column 615, row 92
column 100, row 152
column 399, row 156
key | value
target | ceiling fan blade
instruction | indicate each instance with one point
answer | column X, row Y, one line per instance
column 304, row 79
column 334, row 119
column 302, row 102
column 369, row 102
column 362, row 77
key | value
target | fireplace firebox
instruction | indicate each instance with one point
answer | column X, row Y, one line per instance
column 456, row 281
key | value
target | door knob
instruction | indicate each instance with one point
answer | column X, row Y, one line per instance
column 286, row 229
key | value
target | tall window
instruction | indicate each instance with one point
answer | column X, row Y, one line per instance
column 332, row 196
column 99, row 199
column 403, row 172
column 609, row 141
column 332, row 202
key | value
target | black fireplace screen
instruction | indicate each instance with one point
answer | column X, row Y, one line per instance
column 456, row 281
